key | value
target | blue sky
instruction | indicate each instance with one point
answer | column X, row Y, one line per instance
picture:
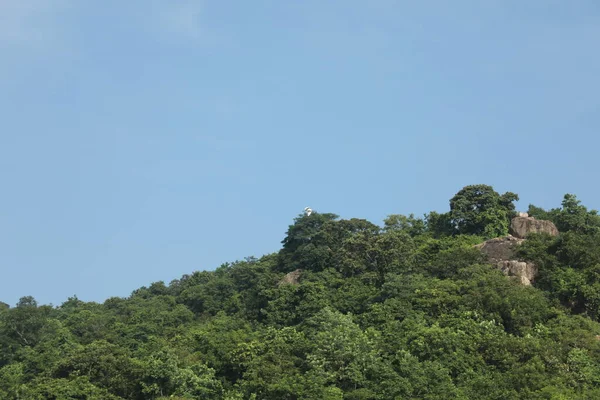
column 143, row 140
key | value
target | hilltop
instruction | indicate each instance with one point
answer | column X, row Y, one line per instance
column 346, row 309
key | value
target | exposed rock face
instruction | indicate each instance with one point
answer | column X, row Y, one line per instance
column 291, row 278
column 502, row 251
column 525, row 272
column 521, row 226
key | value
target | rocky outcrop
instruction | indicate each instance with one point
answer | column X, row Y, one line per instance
column 523, row 271
column 502, row 253
column 500, row 249
column 291, row 278
column 520, row 227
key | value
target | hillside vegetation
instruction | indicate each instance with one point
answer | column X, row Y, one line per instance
column 409, row 310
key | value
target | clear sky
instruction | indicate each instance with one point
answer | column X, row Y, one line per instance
column 145, row 139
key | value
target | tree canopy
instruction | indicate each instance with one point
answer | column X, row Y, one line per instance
column 408, row 310
column 480, row 210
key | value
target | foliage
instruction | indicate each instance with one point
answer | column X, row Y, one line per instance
column 480, row 210
column 410, row 310
column 571, row 217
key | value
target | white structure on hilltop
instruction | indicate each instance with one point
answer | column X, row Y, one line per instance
column 307, row 211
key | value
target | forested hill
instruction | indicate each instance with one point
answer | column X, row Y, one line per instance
column 345, row 310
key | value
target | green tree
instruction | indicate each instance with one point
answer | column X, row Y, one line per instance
column 379, row 254
column 105, row 365
column 480, row 210
column 164, row 376
column 12, row 380
column 575, row 217
column 571, row 217
column 65, row 389
column 276, row 367
column 409, row 224
column 302, row 247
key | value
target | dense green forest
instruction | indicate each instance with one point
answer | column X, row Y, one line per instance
column 345, row 310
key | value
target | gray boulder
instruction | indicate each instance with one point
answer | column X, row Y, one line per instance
column 523, row 271
column 500, row 249
column 291, row 278
column 502, row 253
column 520, row 227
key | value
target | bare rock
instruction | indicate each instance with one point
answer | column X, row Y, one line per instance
column 525, row 272
column 500, row 249
column 291, row 278
column 520, row 227
column 502, row 253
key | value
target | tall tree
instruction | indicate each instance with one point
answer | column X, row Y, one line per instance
column 480, row 210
